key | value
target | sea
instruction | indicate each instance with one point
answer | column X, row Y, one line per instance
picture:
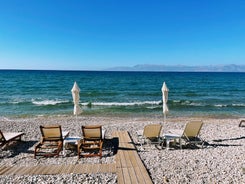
column 26, row 93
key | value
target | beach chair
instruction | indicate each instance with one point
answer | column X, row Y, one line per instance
column 7, row 137
column 190, row 134
column 242, row 123
column 150, row 134
column 91, row 143
column 51, row 143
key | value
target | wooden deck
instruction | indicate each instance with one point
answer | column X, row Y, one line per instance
column 128, row 167
column 58, row 169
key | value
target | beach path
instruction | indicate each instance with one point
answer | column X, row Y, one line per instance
column 58, row 169
column 130, row 168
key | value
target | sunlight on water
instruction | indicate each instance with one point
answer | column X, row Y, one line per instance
column 112, row 93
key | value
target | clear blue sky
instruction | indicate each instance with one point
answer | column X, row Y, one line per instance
column 98, row 34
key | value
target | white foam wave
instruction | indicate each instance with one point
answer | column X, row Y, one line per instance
column 48, row 102
column 216, row 105
column 123, row 103
column 220, row 105
column 176, row 101
column 17, row 101
column 238, row 105
column 196, row 104
column 152, row 107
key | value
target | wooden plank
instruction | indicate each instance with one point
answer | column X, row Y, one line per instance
column 133, row 159
column 58, row 169
column 95, row 168
column 33, row 170
column 118, row 160
column 122, row 159
column 104, row 168
column 88, row 168
column 69, row 169
column 126, row 176
column 4, row 169
column 85, row 168
column 45, row 170
column 25, row 170
column 41, row 169
column 77, row 169
column 18, row 170
column 12, row 169
column 55, row 169
column 127, row 156
column 63, row 169
column 144, row 172
column 138, row 174
column 120, row 179
column 112, row 168
column 132, row 175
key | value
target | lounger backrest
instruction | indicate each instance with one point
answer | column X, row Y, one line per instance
column 51, row 133
column 2, row 139
column 193, row 128
column 152, row 130
column 92, row 132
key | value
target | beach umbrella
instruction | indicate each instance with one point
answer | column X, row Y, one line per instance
column 164, row 100
column 75, row 95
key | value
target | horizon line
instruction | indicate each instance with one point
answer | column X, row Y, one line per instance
column 152, row 68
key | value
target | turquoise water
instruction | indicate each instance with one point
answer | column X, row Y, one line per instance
column 27, row 93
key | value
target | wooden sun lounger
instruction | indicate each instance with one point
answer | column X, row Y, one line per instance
column 51, row 143
column 6, row 137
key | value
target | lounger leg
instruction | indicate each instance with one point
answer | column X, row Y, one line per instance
column 141, row 146
column 180, row 143
column 167, row 142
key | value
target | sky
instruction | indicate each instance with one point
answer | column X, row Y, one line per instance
column 100, row 34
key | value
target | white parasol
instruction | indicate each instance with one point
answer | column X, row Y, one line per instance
column 164, row 100
column 76, row 97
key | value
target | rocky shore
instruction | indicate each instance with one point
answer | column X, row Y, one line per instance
column 220, row 161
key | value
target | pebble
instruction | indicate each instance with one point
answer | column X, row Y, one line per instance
column 221, row 161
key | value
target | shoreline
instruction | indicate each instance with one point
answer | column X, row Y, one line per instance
column 221, row 161
column 127, row 116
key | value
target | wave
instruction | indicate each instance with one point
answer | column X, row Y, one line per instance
column 203, row 104
column 122, row 103
column 220, row 105
column 48, row 102
column 229, row 105
column 238, row 105
column 151, row 104
column 33, row 101
column 170, row 103
column 14, row 101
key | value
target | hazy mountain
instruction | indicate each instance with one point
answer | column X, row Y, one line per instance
column 182, row 68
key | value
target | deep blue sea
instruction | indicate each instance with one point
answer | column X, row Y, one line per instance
column 30, row 93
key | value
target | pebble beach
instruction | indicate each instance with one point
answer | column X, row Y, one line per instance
column 220, row 161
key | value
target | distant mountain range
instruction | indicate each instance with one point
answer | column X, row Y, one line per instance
column 182, row 68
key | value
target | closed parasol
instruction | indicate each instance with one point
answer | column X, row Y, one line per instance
column 76, row 97
column 164, row 100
